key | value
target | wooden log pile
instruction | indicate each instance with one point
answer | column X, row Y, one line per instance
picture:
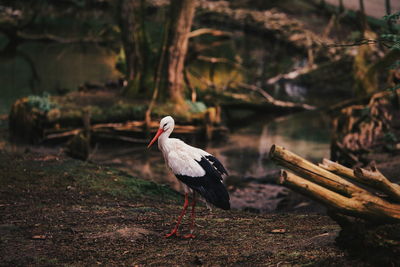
column 364, row 202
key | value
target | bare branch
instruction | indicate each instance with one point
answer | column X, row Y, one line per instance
column 213, row 32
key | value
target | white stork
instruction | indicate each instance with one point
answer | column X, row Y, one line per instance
column 198, row 170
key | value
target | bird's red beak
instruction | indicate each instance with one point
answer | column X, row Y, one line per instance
column 159, row 132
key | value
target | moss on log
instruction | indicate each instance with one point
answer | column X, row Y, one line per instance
column 111, row 117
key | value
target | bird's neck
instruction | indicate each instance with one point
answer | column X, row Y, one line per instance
column 163, row 141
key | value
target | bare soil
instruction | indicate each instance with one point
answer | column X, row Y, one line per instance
column 56, row 211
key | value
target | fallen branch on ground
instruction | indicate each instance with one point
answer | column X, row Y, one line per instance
column 272, row 100
column 213, row 32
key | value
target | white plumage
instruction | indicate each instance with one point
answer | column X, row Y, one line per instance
column 182, row 158
column 197, row 169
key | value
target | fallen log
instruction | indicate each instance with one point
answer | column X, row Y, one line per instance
column 373, row 178
column 363, row 202
column 319, row 193
column 338, row 187
column 128, row 131
column 55, row 119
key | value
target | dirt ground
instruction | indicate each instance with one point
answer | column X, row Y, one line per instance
column 57, row 211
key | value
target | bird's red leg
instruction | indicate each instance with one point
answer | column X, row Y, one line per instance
column 192, row 216
column 175, row 230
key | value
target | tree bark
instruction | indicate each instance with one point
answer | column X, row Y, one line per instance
column 341, row 7
column 127, row 25
column 181, row 15
column 388, row 7
column 130, row 15
column 363, row 17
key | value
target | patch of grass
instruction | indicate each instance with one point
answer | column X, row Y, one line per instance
column 45, row 261
column 83, row 176
column 119, row 184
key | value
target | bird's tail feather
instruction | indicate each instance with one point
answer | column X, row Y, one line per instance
column 216, row 195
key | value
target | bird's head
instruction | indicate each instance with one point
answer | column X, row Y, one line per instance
column 166, row 125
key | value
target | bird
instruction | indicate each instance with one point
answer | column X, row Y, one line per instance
column 198, row 171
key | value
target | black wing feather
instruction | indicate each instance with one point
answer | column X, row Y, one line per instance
column 210, row 185
column 217, row 164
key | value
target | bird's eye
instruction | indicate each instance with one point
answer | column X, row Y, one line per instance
column 164, row 126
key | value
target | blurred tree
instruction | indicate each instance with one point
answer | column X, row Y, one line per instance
column 363, row 19
column 341, row 6
column 367, row 69
column 135, row 44
column 12, row 24
column 181, row 18
column 388, row 7
column 388, row 12
column 169, row 78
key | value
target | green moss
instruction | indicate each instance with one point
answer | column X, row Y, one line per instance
column 117, row 112
column 196, row 107
column 82, row 176
column 43, row 103
column 118, row 183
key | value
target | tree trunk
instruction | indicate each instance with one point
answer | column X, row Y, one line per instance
column 362, row 9
column 363, row 17
column 388, row 7
column 341, row 7
column 134, row 43
column 182, row 14
column 388, row 12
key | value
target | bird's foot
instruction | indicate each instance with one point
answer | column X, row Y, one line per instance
column 173, row 233
column 189, row 236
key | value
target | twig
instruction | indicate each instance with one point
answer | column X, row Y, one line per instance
column 274, row 101
column 359, row 43
column 214, row 32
